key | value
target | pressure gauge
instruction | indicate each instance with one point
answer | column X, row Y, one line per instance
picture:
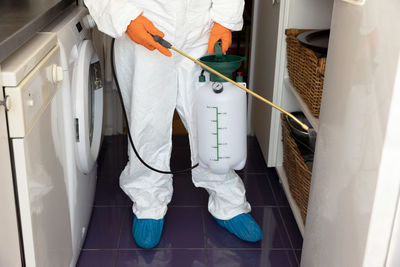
column 217, row 87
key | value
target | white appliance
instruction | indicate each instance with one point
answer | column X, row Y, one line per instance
column 10, row 226
column 83, row 116
column 31, row 79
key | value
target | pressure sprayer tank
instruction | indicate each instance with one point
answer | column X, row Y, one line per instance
column 221, row 116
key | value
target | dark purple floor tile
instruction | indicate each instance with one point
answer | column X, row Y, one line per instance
column 104, row 227
column 111, row 165
column 162, row 258
column 109, row 193
column 112, row 157
column 293, row 229
column 186, row 194
column 108, row 173
column 250, row 258
column 298, row 255
column 180, row 156
column 180, row 159
column 252, row 142
column 98, row 258
column 183, row 228
column 277, row 188
column 180, row 141
column 292, row 258
column 254, row 163
column 258, row 189
column 255, row 159
column 270, row 222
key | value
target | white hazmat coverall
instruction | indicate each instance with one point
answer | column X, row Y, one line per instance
column 154, row 85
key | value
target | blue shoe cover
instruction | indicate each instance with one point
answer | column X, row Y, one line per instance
column 243, row 226
column 147, row 232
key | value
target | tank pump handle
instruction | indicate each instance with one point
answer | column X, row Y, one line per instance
column 218, row 51
column 168, row 45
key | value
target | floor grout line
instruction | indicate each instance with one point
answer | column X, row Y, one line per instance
column 252, row 173
column 185, row 248
column 112, row 206
column 205, row 206
column 284, row 224
column 119, row 238
column 204, row 233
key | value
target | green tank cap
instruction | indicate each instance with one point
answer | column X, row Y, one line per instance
column 202, row 79
column 225, row 64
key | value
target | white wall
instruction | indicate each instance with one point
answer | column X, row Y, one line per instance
column 355, row 183
column 265, row 38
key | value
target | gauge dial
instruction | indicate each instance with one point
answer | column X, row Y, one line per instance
column 217, row 87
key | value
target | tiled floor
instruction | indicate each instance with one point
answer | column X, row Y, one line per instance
column 191, row 237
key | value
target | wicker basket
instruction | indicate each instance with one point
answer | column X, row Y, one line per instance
column 297, row 172
column 306, row 71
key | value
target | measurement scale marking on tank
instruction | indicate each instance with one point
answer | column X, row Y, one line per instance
column 218, row 129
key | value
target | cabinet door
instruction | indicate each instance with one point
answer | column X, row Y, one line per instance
column 9, row 254
column 266, row 22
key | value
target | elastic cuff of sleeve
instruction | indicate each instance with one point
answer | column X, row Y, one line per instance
column 131, row 12
column 237, row 26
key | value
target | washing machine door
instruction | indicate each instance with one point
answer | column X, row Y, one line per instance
column 87, row 92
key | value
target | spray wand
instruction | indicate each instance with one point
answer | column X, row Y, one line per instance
column 168, row 45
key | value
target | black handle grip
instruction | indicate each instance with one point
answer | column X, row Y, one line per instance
column 161, row 41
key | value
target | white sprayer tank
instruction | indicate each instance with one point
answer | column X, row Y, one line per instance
column 221, row 118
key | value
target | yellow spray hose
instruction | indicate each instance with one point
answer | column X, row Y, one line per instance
column 168, row 45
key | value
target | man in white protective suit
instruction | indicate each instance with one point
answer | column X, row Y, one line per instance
column 154, row 84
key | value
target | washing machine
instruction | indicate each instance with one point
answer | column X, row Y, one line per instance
column 83, row 116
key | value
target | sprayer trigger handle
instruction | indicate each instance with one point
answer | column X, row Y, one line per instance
column 161, row 41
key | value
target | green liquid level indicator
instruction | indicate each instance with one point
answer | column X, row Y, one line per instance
column 218, row 128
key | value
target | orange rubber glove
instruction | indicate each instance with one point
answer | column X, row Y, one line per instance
column 141, row 30
column 219, row 32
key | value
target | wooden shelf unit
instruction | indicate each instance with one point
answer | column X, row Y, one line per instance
column 313, row 120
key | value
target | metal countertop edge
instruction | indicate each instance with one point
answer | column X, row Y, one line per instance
column 16, row 40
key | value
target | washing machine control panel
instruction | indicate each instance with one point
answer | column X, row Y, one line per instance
column 31, row 96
